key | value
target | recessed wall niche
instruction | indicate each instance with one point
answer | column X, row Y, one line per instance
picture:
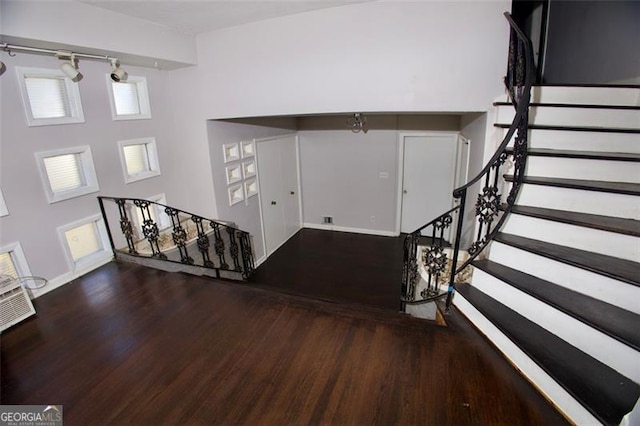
column 231, row 152
column 247, row 149
column 233, row 173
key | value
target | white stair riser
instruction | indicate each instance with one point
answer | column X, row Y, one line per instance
column 588, row 239
column 594, row 202
column 602, row 347
column 607, row 289
column 575, row 117
column 573, row 168
column 545, row 383
column 583, row 95
column 587, row 95
column 582, row 141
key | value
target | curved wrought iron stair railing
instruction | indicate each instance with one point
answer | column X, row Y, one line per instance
column 492, row 207
column 152, row 230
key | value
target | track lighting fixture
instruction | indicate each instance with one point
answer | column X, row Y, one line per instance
column 117, row 73
column 3, row 68
column 70, row 68
column 357, row 123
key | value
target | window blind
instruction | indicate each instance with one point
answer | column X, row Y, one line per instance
column 48, row 97
column 136, row 158
column 7, row 266
column 83, row 241
column 64, row 172
column 126, row 98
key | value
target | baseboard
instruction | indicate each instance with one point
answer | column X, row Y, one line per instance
column 352, row 230
column 260, row 261
column 66, row 278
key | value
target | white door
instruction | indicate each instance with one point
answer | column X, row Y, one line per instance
column 428, row 178
column 290, row 187
column 279, row 197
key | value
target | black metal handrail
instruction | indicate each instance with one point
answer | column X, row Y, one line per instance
column 491, row 210
column 184, row 237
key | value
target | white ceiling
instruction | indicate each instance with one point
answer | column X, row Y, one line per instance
column 199, row 16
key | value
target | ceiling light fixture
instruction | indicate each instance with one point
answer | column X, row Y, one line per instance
column 70, row 67
column 357, row 123
column 3, row 67
column 117, row 73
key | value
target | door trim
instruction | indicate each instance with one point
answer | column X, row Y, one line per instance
column 299, row 189
column 400, row 174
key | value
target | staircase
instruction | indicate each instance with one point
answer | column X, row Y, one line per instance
column 558, row 289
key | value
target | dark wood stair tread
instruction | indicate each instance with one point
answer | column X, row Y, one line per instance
column 573, row 128
column 609, row 266
column 563, row 105
column 607, row 394
column 588, row 185
column 583, row 155
column 594, row 221
column 618, row 323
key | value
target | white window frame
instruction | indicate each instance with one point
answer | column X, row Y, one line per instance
column 18, row 258
column 73, row 90
column 91, row 260
column 88, row 171
column 4, row 211
column 143, row 99
column 152, row 158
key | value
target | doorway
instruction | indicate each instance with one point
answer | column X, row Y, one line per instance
column 279, row 181
column 431, row 166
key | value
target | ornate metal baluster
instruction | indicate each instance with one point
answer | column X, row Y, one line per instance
column 219, row 245
column 233, row 248
column 203, row 242
column 179, row 235
column 125, row 225
column 149, row 228
column 410, row 266
column 247, row 254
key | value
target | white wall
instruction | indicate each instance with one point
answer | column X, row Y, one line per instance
column 32, row 220
column 386, row 56
column 341, row 169
column 245, row 215
column 76, row 25
column 474, row 127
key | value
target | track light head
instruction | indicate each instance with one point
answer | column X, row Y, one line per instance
column 117, row 73
column 3, row 68
column 70, row 68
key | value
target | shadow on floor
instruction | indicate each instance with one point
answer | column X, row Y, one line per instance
column 336, row 266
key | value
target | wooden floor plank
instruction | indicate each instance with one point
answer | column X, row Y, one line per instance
column 126, row 344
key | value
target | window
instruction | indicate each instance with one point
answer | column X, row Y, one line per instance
column 49, row 97
column 139, row 159
column 67, row 173
column 129, row 99
column 13, row 262
column 3, row 206
column 86, row 242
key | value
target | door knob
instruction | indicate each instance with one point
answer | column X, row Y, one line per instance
column 404, row 191
column 292, row 193
column 273, row 203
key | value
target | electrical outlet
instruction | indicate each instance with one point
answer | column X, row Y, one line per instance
column 327, row 220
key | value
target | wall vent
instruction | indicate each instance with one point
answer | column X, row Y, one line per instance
column 15, row 304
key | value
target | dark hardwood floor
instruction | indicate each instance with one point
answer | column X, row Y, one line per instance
column 337, row 266
column 126, row 344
